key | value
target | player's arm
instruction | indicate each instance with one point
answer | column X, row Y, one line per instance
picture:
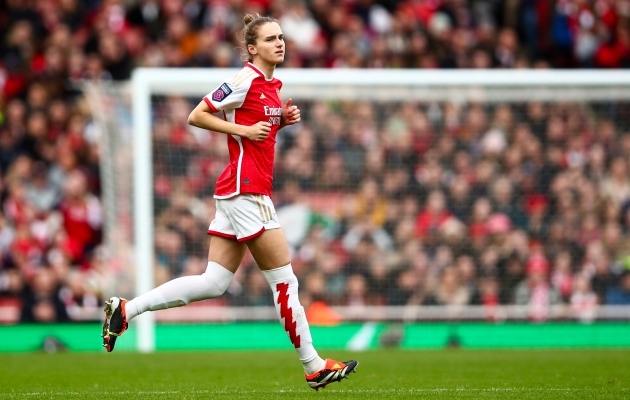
column 290, row 114
column 202, row 117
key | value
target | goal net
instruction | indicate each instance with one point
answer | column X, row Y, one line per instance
column 405, row 195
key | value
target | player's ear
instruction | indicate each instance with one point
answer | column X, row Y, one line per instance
column 251, row 49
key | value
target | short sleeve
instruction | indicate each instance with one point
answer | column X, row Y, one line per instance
column 226, row 96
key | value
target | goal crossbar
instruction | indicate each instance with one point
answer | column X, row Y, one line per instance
column 337, row 84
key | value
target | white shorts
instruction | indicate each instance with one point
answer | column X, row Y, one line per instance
column 244, row 217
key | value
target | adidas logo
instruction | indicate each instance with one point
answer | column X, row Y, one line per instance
column 262, row 96
column 336, row 366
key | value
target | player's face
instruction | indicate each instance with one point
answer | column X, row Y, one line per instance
column 269, row 44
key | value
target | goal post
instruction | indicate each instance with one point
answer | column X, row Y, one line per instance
column 309, row 85
column 143, row 205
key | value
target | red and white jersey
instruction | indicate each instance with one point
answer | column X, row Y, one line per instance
column 246, row 99
column 82, row 219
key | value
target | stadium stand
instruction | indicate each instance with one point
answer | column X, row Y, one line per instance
column 449, row 213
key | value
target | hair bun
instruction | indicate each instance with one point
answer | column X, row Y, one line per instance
column 249, row 18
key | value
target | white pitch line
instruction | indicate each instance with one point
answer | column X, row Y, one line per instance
column 349, row 391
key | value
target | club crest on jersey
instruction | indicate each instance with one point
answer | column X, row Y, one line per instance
column 221, row 93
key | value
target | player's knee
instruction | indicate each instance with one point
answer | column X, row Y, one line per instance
column 218, row 277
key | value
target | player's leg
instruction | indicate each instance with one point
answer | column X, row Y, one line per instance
column 224, row 258
column 272, row 256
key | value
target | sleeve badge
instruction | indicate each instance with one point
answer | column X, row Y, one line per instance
column 221, row 93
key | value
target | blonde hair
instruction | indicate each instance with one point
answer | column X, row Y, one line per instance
column 251, row 24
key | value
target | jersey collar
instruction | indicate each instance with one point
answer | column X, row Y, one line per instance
column 255, row 68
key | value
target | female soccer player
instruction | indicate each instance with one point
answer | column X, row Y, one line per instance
column 252, row 113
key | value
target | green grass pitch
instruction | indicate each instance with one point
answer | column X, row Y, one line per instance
column 382, row 374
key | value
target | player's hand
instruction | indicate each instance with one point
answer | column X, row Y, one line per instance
column 258, row 132
column 290, row 113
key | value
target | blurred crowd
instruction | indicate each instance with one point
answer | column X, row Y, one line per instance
column 423, row 204
column 454, row 204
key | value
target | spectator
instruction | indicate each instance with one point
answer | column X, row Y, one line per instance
column 41, row 301
column 82, row 214
column 536, row 292
column 562, row 275
column 459, row 199
column 378, row 280
column 583, row 300
column 489, row 294
column 300, row 27
column 169, row 251
column 81, row 301
column 503, row 198
column 616, row 185
column 356, row 290
column 620, row 294
column 40, row 192
column 450, row 291
column 511, row 273
column 467, row 269
column 369, row 203
column 432, row 217
column 406, row 290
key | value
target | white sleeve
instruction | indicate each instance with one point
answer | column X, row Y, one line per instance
column 227, row 96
